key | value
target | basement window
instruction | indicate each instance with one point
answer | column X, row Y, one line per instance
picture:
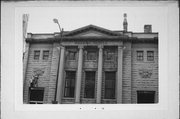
column 36, row 95
column 145, row 96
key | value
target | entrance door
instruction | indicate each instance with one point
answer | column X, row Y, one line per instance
column 145, row 96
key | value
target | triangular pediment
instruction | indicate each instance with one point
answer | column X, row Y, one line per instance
column 91, row 30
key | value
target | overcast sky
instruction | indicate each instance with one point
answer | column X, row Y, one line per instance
column 70, row 18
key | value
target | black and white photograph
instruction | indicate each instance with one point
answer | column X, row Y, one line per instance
column 90, row 59
column 90, row 64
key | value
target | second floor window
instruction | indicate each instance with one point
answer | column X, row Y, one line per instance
column 140, row 56
column 72, row 55
column 45, row 55
column 109, row 55
column 150, row 55
column 36, row 54
column 91, row 55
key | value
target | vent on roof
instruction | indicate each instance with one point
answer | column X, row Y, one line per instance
column 147, row 29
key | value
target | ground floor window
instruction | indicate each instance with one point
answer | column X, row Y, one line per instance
column 36, row 95
column 145, row 96
column 69, row 84
column 110, row 78
column 89, row 84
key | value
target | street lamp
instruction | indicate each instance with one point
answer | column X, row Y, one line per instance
column 61, row 31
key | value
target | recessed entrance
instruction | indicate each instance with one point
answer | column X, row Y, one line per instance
column 145, row 96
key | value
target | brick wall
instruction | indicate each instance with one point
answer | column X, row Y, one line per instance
column 139, row 82
column 33, row 65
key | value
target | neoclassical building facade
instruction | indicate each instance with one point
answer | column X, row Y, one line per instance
column 92, row 65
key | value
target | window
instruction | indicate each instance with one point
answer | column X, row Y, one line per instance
column 150, row 55
column 45, row 55
column 110, row 78
column 140, row 55
column 69, row 84
column 36, row 54
column 109, row 55
column 36, row 95
column 145, row 96
column 72, row 55
column 91, row 55
column 89, row 84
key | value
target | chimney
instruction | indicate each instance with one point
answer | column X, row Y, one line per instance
column 125, row 24
column 147, row 28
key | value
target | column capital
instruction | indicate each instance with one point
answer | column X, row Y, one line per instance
column 100, row 46
column 60, row 47
column 81, row 46
column 120, row 46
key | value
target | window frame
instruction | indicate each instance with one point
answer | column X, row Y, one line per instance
column 87, row 55
column 140, row 55
column 45, row 56
column 112, row 89
column 74, row 55
column 36, row 89
column 91, row 82
column 70, row 87
column 37, row 56
column 109, row 52
column 150, row 55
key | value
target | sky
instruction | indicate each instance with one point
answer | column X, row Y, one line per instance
column 71, row 18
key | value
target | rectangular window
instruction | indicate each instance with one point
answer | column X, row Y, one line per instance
column 140, row 55
column 36, row 95
column 36, row 54
column 145, row 96
column 69, row 84
column 109, row 54
column 45, row 55
column 91, row 55
column 150, row 55
column 110, row 78
column 72, row 55
column 89, row 84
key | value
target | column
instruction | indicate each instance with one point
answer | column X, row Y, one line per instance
column 119, row 75
column 99, row 81
column 60, row 78
column 79, row 75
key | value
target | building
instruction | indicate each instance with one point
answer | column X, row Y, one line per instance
column 91, row 65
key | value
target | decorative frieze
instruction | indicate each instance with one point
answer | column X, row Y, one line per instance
column 145, row 73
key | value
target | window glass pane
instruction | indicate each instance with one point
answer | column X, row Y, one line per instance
column 110, row 78
column 36, row 54
column 89, row 84
column 109, row 54
column 91, row 55
column 45, row 55
column 150, row 55
column 69, row 84
column 36, row 95
column 140, row 55
column 71, row 55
